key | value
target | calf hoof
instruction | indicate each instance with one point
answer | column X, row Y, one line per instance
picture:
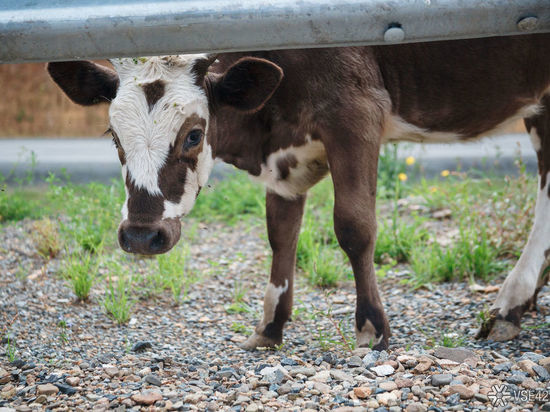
column 498, row 329
column 503, row 330
column 258, row 341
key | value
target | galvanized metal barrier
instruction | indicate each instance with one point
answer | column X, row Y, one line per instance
column 42, row 30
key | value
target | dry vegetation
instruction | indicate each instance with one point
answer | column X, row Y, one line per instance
column 32, row 105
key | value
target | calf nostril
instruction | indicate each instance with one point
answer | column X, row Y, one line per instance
column 124, row 241
column 157, row 242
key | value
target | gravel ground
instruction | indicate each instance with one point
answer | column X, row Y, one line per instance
column 187, row 357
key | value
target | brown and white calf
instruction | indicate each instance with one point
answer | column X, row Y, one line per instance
column 289, row 117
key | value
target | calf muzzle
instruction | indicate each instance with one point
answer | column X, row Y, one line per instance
column 149, row 239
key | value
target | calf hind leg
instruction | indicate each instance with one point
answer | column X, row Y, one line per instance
column 519, row 291
column 284, row 218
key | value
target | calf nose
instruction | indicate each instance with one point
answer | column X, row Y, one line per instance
column 148, row 240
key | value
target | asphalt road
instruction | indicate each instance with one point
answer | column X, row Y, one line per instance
column 95, row 159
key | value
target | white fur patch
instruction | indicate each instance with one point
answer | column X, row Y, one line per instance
column 522, row 281
column 398, row 129
column 124, row 210
column 146, row 136
column 367, row 336
column 271, row 300
column 193, row 181
column 311, row 161
column 535, row 139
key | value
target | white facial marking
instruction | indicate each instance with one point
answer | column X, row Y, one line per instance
column 311, row 166
column 124, row 210
column 146, row 135
column 366, row 337
column 193, row 181
column 521, row 283
column 398, row 129
column 271, row 300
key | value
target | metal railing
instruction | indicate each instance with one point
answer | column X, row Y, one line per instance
column 41, row 30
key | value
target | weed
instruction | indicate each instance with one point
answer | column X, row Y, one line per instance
column 117, row 301
column 46, row 238
column 239, row 305
column 172, row 273
column 64, row 327
column 11, row 350
column 240, row 328
column 80, row 271
column 451, row 339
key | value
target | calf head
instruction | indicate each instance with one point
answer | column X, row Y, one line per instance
column 160, row 112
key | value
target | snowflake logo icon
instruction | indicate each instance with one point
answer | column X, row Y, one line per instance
column 499, row 395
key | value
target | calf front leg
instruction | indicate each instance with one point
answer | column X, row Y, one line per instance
column 519, row 291
column 284, row 218
column 353, row 158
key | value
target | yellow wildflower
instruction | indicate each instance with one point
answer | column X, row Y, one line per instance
column 433, row 189
column 445, row 173
column 402, row 176
column 409, row 160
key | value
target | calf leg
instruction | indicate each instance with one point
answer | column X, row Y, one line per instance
column 284, row 218
column 353, row 159
column 519, row 290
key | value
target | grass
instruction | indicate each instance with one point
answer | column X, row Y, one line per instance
column 170, row 271
column 493, row 216
column 117, row 301
column 80, row 271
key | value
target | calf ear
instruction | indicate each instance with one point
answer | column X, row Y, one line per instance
column 85, row 82
column 248, row 84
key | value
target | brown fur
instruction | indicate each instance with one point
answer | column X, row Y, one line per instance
column 153, row 92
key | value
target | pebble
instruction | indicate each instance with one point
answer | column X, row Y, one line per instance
column 441, row 379
column 383, row 370
column 147, row 397
column 463, row 391
column 455, row 354
column 47, row 389
column 153, row 380
column 142, row 346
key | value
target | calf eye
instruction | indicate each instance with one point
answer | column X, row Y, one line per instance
column 193, row 138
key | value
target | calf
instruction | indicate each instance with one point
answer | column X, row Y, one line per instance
column 289, row 117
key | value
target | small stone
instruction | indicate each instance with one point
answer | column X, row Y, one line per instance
column 147, row 397
column 66, row 389
column 41, row 399
column 515, row 379
column 416, row 407
column 47, row 389
column 355, row 362
column 481, row 397
column 386, row 398
column 110, row 370
column 424, row 364
column 541, row 372
column 153, row 380
column 274, row 375
column 388, row 386
column 502, row 367
column 526, row 365
column 300, row 370
column 72, row 380
column 144, row 372
column 370, row 358
column 142, row 346
column 321, row 387
column 383, row 370
column 340, row 375
column 453, row 399
column 463, row 391
column 225, row 373
column 403, row 383
column 442, row 379
column 322, row 376
column 362, row 392
column 455, row 354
